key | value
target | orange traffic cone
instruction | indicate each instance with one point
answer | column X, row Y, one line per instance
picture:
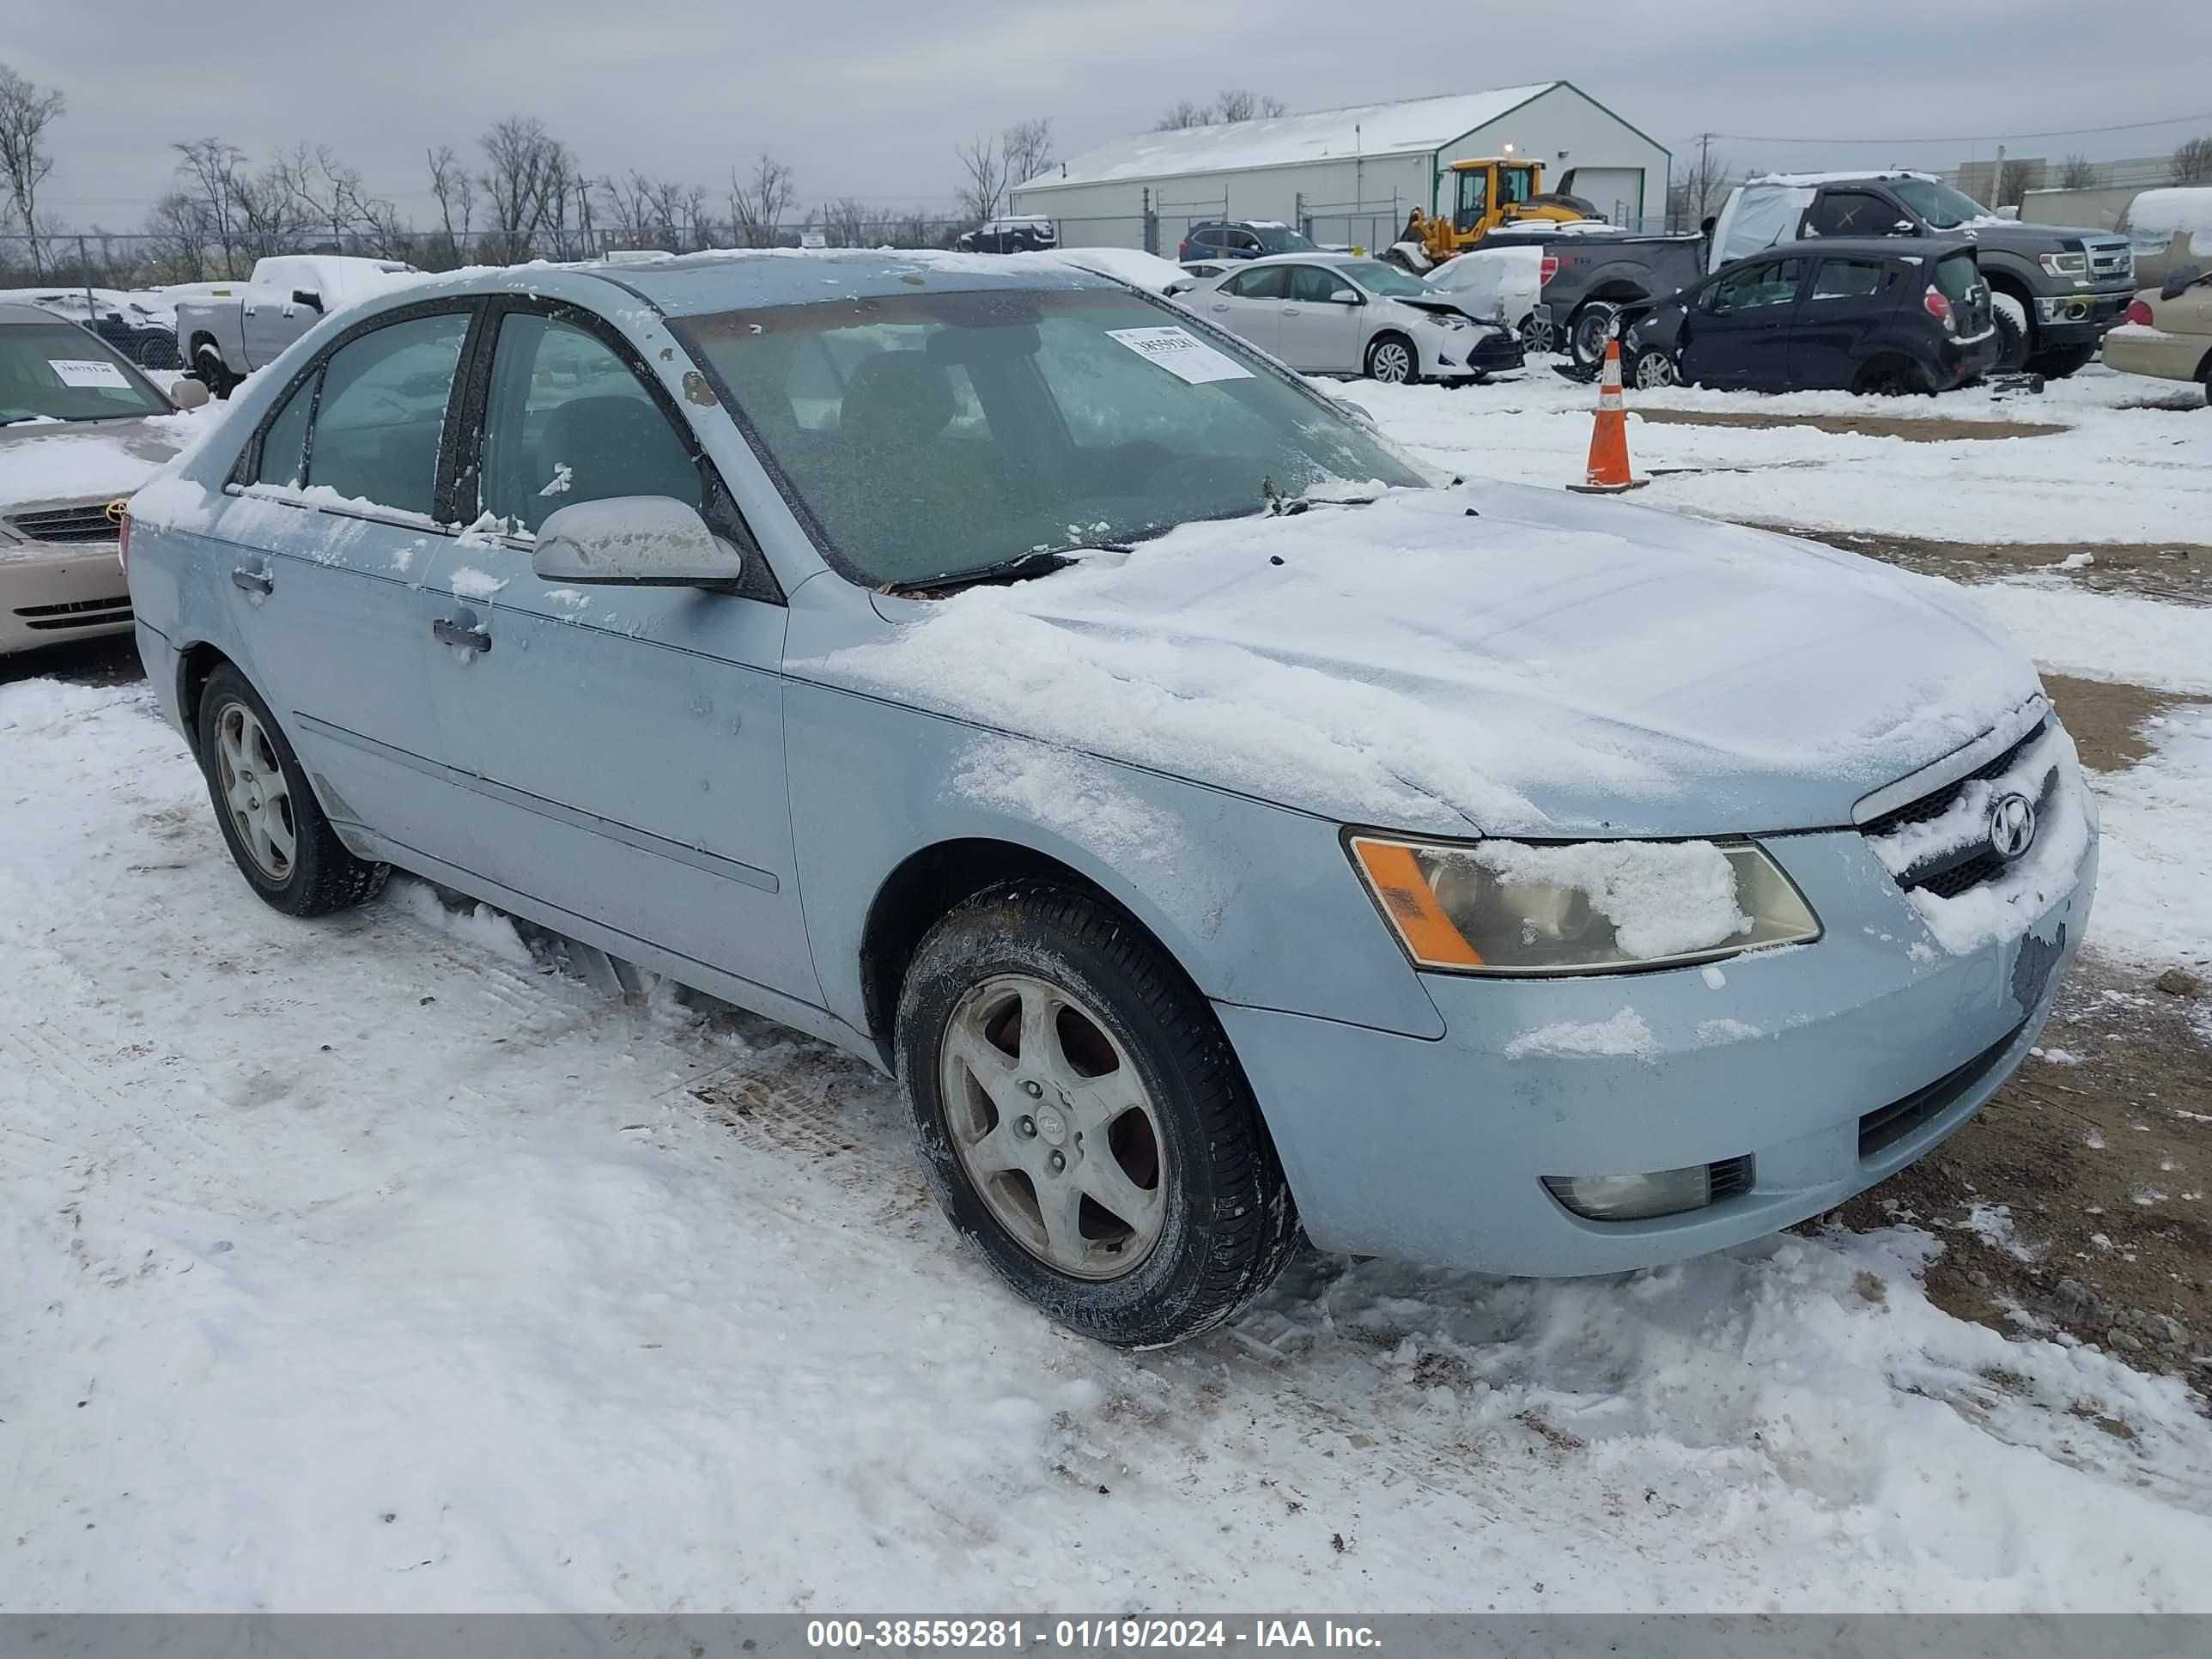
column 1608, row 455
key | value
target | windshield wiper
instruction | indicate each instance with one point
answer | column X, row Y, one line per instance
column 1281, row 506
column 1038, row 562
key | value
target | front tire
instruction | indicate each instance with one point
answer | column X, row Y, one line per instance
column 1081, row 1118
column 276, row 833
column 1391, row 360
column 2059, row 362
column 1535, row 333
column 1654, row 370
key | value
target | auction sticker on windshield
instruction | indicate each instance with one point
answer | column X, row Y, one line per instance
column 78, row 371
column 1182, row 355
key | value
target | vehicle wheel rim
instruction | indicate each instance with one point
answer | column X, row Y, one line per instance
column 1391, row 366
column 254, row 791
column 1591, row 334
column 1054, row 1127
column 1535, row 336
column 1654, row 370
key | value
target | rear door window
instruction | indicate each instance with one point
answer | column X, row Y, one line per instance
column 1268, row 282
column 1311, row 285
column 284, row 445
column 382, row 415
column 1847, row 281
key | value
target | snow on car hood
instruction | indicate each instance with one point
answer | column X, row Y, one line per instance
column 1495, row 657
column 44, row 462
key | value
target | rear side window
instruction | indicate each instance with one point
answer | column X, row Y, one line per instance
column 383, row 412
column 284, row 445
column 1957, row 275
column 1850, row 213
column 1847, row 279
column 569, row 421
column 1311, row 285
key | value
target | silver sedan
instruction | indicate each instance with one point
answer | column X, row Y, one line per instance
column 1340, row 314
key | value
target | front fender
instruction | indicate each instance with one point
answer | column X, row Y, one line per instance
column 1258, row 903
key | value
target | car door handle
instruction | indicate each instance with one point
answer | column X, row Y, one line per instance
column 466, row 635
column 1290, row 311
column 253, row 582
column 1224, row 305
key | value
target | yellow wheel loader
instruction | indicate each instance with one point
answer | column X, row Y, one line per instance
column 1482, row 195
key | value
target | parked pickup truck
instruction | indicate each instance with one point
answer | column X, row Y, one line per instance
column 237, row 328
column 2054, row 291
column 1595, row 281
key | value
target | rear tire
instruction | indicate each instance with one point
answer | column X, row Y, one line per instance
column 276, row 833
column 1593, row 325
column 1391, row 360
column 209, row 369
column 1891, row 377
column 2059, row 362
column 1051, row 1053
column 2015, row 338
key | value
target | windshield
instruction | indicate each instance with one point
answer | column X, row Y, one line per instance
column 58, row 371
column 1281, row 238
column 1379, row 278
column 931, row 435
column 1942, row 207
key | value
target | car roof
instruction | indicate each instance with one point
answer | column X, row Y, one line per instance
column 739, row 279
column 12, row 311
column 1314, row 256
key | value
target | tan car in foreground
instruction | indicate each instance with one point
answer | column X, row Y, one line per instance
column 80, row 429
column 2168, row 332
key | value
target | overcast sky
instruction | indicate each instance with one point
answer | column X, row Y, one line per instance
column 869, row 98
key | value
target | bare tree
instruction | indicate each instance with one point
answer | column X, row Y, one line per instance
column 26, row 110
column 984, row 189
column 456, row 193
column 1240, row 104
column 759, row 201
column 526, row 184
column 211, row 169
column 1184, row 114
column 1700, row 192
column 1027, row 147
column 2191, row 163
column 2078, row 172
column 328, row 193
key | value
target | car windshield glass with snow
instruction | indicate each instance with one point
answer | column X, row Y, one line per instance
column 940, row 433
column 59, row 372
column 1942, row 207
column 1379, row 278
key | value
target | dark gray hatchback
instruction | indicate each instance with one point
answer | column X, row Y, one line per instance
column 1870, row 315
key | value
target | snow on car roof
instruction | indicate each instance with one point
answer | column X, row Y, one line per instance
column 2180, row 207
column 732, row 278
column 1803, row 180
column 1409, row 126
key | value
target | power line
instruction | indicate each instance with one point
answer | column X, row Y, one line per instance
column 1963, row 138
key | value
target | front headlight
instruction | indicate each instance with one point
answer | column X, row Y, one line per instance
column 1599, row 907
column 2064, row 265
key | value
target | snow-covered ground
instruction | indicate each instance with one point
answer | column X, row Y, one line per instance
column 373, row 1264
column 2119, row 473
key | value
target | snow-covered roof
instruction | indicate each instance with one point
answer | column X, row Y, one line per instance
column 1412, row 126
column 1804, row 181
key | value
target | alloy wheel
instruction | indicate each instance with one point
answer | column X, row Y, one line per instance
column 1654, row 369
column 252, row 780
column 1054, row 1127
column 1391, row 364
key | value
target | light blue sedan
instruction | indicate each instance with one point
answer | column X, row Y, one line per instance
column 1225, row 831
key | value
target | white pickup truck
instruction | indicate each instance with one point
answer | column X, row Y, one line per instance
column 235, row 328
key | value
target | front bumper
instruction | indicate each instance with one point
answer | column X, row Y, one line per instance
column 1465, row 353
column 1436, row 1152
column 2078, row 318
column 50, row 595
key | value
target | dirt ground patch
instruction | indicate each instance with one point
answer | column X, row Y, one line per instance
column 2179, row 571
column 2077, row 1200
column 2106, row 717
column 1925, row 429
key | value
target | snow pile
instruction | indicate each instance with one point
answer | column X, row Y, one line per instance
column 2106, row 636
column 476, row 925
column 1498, row 658
column 1662, row 897
column 2004, row 907
column 1501, row 282
column 2155, row 874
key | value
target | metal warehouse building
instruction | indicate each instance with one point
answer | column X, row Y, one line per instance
column 1345, row 175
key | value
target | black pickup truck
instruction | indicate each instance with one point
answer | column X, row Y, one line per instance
column 1594, row 277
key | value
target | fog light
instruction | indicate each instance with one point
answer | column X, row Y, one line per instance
column 1662, row 1192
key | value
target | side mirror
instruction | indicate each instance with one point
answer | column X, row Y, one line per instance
column 1346, row 406
column 1904, row 227
column 309, row 298
column 1344, row 296
column 2011, row 212
column 634, row 541
column 188, row 394
column 2179, row 283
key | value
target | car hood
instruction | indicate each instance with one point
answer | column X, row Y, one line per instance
column 2015, row 237
column 1495, row 657
column 56, row 464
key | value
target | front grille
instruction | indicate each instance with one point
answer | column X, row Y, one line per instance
column 2111, row 260
column 78, row 613
column 1883, row 1128
column 86, row 523
column 1931, row 806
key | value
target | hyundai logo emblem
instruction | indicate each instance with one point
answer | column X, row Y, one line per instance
column 2012, row 826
